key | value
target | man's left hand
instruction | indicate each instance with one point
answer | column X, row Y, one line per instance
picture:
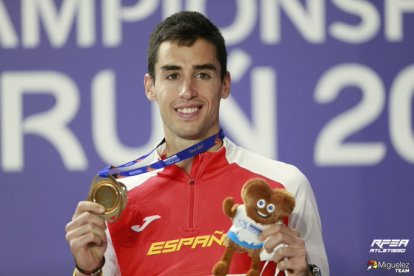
column 293, row 255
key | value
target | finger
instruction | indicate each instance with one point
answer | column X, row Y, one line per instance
column 88, row 206
column 86, row 218
column 290, row 252
column 270, row 231
column 85, row 230
column 293, row 266
column 279, row 239
column 86, row 241
column 283, row 265
column 278, row 228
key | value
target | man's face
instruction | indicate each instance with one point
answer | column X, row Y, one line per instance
column 188, row 89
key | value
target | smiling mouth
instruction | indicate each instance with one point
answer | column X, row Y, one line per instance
column 262, row 215
column 188, row 110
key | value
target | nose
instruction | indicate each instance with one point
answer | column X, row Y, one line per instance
column 188, row 90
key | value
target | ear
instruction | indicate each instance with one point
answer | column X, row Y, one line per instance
column 255, row 187
column 285, row 201
column 225, row 93
column 244, row 190
column 149, row 87
column 248, row 186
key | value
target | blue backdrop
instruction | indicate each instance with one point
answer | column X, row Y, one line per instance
column 325, row 85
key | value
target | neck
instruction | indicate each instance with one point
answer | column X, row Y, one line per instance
column 176, row 144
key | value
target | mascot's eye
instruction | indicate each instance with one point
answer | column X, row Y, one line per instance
column 261, row 203
column 270, row 208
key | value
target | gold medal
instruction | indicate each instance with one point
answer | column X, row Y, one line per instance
column 109, row 193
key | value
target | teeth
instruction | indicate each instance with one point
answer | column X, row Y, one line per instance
column 187, row 110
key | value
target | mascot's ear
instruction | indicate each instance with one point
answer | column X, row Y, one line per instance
column 284, row 200
column 255, row 186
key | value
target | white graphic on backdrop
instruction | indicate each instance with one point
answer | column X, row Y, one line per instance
column 309, row 19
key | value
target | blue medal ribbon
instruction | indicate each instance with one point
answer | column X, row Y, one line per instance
column 144, row 167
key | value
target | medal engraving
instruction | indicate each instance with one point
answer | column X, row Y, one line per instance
column 109, row 193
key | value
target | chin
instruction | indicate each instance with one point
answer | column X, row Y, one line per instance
column 191, row 133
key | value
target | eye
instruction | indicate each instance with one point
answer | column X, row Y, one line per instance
column 270, row 208
column 261, row 203
column 172, row 76
column 203, row 76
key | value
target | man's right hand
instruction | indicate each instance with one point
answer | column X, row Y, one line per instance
column 86, row 236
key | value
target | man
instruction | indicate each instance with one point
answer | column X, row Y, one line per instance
column 174, row 223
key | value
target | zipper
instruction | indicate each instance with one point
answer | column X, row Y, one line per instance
column 193, row 177
column 191, row 206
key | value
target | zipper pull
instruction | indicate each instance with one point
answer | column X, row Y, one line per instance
column 191, row 181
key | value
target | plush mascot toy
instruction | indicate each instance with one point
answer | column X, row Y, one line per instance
column 262, row 207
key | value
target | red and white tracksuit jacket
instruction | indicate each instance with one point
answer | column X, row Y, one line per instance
column 174, row 222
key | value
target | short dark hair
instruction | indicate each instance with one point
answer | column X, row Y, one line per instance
column 185, row 28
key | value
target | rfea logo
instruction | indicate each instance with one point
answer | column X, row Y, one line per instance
column 389, row 245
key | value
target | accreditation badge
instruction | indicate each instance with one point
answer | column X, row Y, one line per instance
column 109, row 193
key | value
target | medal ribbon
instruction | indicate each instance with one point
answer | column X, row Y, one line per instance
column 141, row 165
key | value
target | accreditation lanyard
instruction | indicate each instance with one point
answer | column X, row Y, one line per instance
column 141, row 165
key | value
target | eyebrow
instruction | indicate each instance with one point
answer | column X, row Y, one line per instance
column 170, row 67
column 207, row 66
